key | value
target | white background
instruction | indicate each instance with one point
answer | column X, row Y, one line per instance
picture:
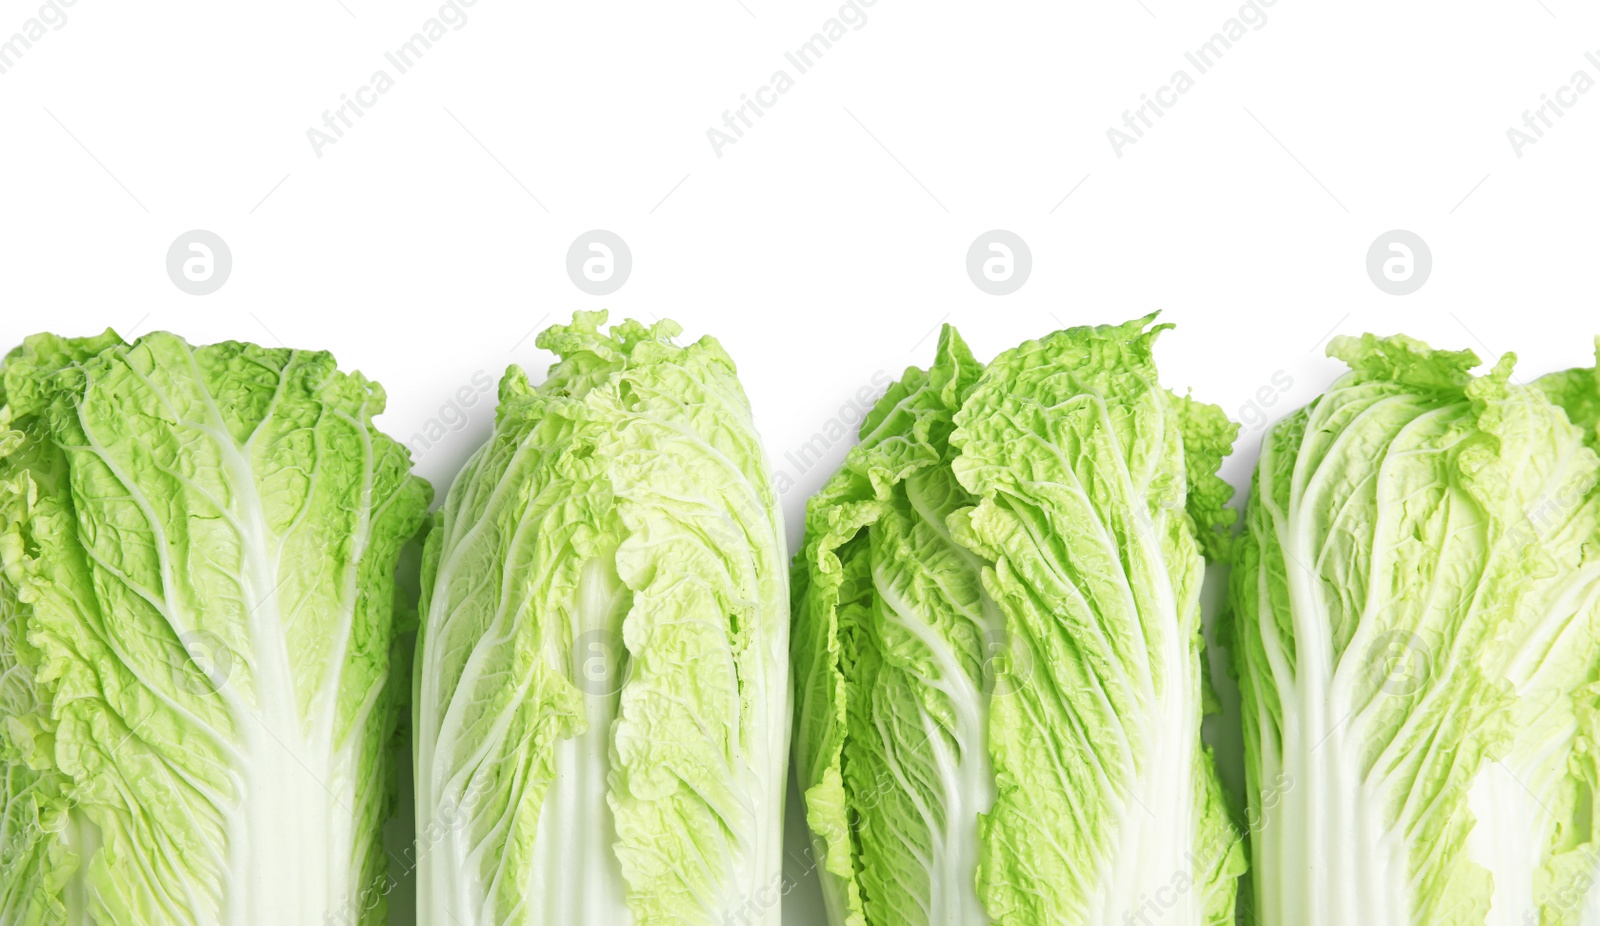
column 829, row 242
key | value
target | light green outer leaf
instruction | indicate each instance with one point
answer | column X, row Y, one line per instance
column 906, row 433
column 1106, row 791
column 1556, row 665
column 36, row 860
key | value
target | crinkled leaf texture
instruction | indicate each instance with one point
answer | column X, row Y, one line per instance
column 197, row 556
column 602, row 693
column 998, row 647
column 1415, row 635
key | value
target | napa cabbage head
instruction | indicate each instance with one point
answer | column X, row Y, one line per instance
column 1416, row 640
column 602, row 692
column 997, row 646
column 197, row 626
